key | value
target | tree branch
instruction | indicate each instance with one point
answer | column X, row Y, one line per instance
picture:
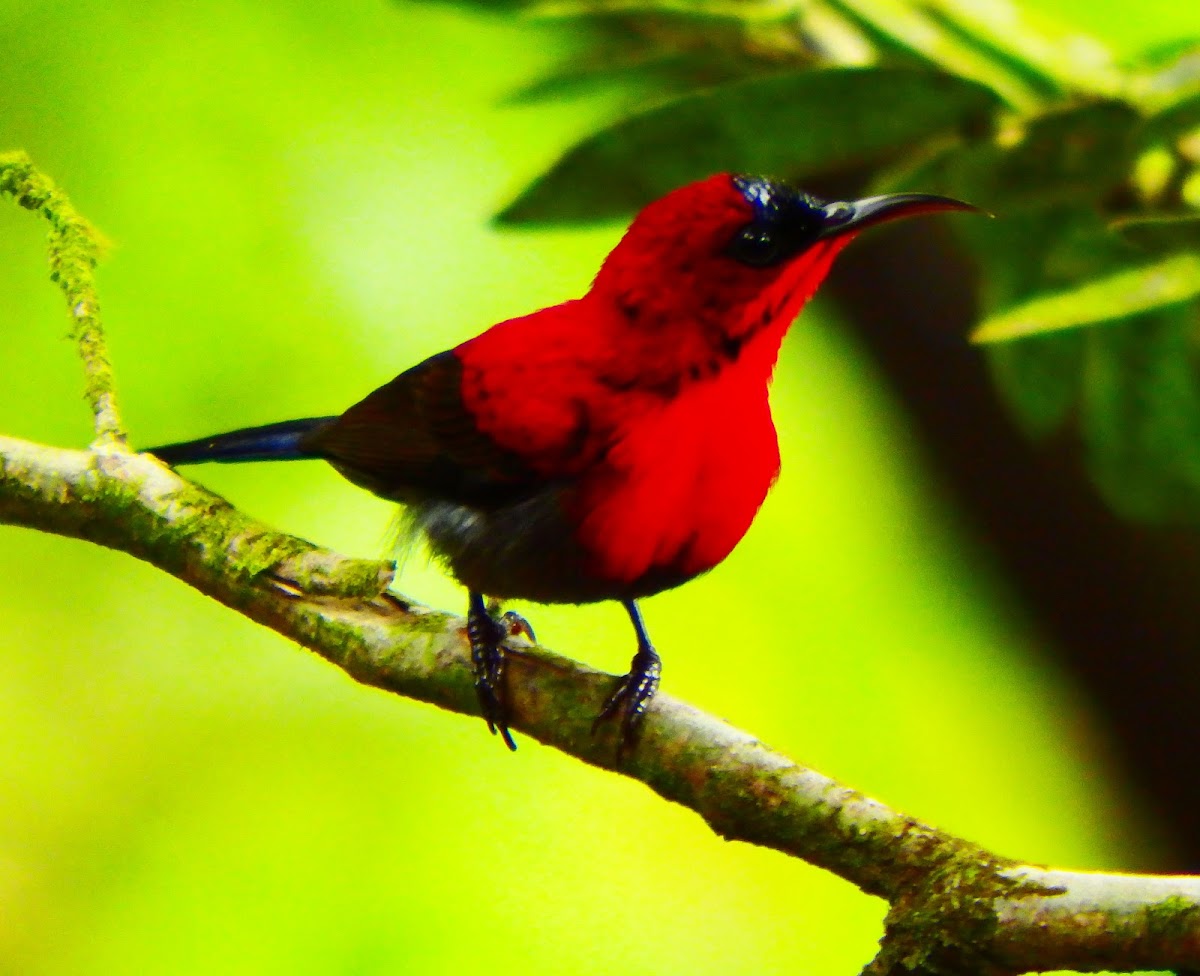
column 955, row 907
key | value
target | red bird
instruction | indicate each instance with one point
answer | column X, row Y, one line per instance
column 607, row 448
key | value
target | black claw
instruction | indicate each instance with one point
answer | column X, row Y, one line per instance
column 634, row 692
column 516, row 624
column 395, row 602
column 487, row 635
column 631, row 698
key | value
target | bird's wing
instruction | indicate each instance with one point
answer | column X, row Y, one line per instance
column 491, row 421
column 426, row 434
column 415, row 437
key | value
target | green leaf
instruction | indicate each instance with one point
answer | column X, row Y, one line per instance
column 1168, row 79
column 1040, row 380
column 667, row 54
column 836, row 38
column 1078, row 152
column 1160, row 235
column 488, row 6
column 1172, row 122
column 1021, row 256
column 1072, row 157
column 930, row 38
column 1141, row 416
column 1034, row 46
column 742, row 9
column 1171, row 281
column 971, row 26
column 789, row 125
column 672, row 72
column 1166, row 55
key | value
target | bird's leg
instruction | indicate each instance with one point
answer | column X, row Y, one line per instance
column 486, row 635
column 634, row 691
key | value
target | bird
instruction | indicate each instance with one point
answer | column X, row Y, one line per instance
column 606, row 448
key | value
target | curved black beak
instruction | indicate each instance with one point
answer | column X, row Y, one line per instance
column 844, row 218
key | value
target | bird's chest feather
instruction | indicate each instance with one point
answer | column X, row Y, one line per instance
column 680, row 487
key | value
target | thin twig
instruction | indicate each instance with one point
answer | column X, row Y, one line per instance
column 74, row 250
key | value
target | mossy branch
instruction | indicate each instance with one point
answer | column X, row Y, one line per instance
column 955, row 907
column 75, row 248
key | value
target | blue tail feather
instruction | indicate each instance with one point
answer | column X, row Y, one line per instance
column 284, row 441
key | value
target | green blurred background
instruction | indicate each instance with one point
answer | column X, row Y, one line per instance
column 297, row 198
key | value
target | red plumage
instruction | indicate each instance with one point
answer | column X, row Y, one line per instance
column 679, row 449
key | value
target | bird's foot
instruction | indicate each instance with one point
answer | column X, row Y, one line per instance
column 487, row 632
column 631, row 697
column 515, row 625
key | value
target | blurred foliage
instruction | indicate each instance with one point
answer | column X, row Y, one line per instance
column 296, row 197
column 1090, row 165
column 854, row 117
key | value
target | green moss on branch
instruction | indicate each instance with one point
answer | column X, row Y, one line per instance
column 74, row 249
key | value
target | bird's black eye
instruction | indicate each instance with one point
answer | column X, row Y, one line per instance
column 786, row 221
column 755, row 245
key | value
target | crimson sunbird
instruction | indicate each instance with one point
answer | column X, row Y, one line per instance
column 607, row 448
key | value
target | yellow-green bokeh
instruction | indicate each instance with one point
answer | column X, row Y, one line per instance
column 297, row 198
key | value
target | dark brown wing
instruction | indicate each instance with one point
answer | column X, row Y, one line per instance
column 413, row 438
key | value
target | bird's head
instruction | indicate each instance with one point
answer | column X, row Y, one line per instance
column 731, row 255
